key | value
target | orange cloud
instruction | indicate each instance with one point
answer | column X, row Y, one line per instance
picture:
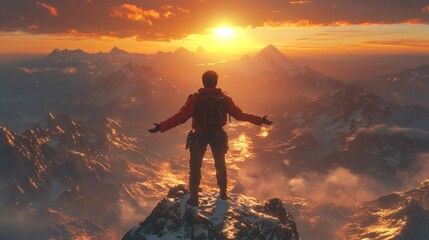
column 168, row 7
column 51, row 9
column 69, row 70
column 33, row 26
column 400, row 43
column 414, row 21
column 300, row 2
column 425, row 9
column 169, row 14
column 307, row 23
column 171, row 11
column 183, row 10
column 132, row 12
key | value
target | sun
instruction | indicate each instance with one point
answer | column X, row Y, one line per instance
column 224, row 32
column 220, row 38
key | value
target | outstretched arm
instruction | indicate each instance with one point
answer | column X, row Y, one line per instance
column 180, row 117
column 238, row 114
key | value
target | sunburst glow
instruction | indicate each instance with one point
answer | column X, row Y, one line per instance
column 224, row 32
column 225, row 39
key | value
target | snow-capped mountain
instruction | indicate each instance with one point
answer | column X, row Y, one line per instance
column 355, row 129
column 273, row 79
column 75, row 75
column 101, row 62
column 241, row 217
column 271, row 65
column 56, row 177
column 273, row 58
column 128, row 93
column 32, row 159
column 409, row 87
column 133, row 84
column 400, row 215
column 68, row 55
column 31, row 89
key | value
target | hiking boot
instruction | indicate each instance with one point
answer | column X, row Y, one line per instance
column 222, row 193
column 193, row 196
column 193, row 201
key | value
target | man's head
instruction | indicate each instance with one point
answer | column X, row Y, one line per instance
column 210, row 79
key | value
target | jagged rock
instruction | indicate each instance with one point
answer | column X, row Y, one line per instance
column 67, row 179
column 178, row 191
column 241, row 217
column 395, row 216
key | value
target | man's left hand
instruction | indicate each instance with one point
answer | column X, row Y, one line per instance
column 156, row 129
column 266, row 121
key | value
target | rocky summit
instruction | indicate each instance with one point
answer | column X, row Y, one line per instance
column 240, row 217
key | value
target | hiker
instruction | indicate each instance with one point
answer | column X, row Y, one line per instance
column 208, row 109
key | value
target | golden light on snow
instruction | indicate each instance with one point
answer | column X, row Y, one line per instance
column 264, row 131
column 242, row 145
column 83, row 237
column 170, row 177
column 388, row 228
column 263, row 134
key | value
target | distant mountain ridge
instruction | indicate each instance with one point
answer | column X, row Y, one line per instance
column 126, row 93
column 408, row 87
column 273, row 77
column 352, row 128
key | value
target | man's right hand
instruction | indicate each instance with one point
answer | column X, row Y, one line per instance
column 266, row 121
column 156, row 129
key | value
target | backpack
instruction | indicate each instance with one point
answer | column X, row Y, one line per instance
column 210, row 111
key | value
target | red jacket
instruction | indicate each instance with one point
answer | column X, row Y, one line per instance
column 187, row 111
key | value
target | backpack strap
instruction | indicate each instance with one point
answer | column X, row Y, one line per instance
column 225, row 94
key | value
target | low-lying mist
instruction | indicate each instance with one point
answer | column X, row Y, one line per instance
column 339, row 186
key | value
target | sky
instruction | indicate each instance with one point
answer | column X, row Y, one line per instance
column 304, row 27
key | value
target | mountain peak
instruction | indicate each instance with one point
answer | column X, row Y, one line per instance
column 55, row 51
column 272, row 56
column 132, row 65
column 424, row 184
column 133, row 69
column 270, row 50
column 68, row 54
column 201, row 50
column 181, row 51
column 6, row 136
column 215, row 218
column 115, row 50
column 62, row 119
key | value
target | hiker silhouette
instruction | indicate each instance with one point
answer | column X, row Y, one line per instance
column 208, row 108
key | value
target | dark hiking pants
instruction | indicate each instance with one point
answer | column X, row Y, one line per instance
column 198, row 141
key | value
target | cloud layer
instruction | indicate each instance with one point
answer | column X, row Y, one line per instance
column 166, row 19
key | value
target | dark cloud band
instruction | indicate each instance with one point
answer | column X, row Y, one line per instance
column 166, row 19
